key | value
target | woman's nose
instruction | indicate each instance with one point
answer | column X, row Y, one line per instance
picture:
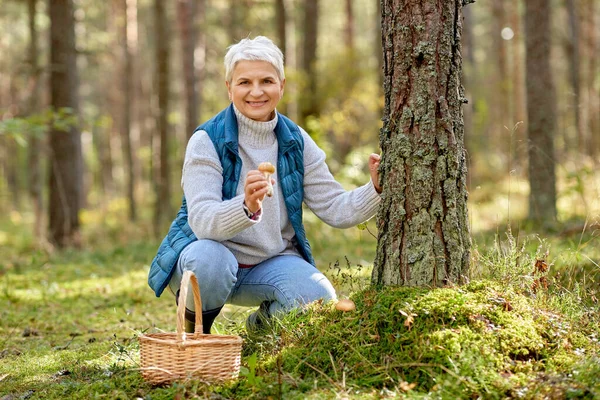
column 256, row 90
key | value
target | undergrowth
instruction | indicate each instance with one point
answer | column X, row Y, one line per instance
column 527, row 326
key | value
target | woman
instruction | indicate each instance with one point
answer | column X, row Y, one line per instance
column 245, row 247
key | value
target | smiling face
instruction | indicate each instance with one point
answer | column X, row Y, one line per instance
column 255, row 89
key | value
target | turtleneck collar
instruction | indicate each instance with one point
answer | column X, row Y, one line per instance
column 255, row 133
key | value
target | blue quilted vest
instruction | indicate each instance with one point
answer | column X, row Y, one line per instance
column 223, row 132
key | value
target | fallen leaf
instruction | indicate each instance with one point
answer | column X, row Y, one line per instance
column 541, row 266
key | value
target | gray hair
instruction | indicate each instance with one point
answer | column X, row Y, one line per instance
column 260, row 48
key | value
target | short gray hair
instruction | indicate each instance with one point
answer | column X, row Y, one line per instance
column 260, row 48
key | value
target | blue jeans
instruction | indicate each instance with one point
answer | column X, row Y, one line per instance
column 285, row 281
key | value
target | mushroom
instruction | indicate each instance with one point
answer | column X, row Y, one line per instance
column 345, row 305
column 267, row 170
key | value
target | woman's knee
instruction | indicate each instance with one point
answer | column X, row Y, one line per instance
column 215, row 268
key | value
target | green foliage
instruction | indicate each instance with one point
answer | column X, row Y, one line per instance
column 37, row 125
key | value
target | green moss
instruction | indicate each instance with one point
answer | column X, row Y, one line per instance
column 477, row 340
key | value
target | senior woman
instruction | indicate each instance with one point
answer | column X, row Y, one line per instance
column 247, row 248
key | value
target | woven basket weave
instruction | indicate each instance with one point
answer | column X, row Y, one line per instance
column 168, row 357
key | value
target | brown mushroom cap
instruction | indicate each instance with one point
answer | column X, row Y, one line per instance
column 345, row 305
column 266, row 167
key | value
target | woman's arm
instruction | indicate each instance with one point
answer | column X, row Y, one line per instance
column 202, row 180
column 327, row 198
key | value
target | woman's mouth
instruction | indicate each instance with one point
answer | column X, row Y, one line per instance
column 256, row 104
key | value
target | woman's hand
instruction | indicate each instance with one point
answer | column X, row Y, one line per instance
column 255, row 190
column 374, row 160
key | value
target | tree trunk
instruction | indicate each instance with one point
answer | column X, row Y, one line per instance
column 593, row 103
column 541, row 112
column 518, row 87
column 349, row 28
column 500, row 95
column 281, row 20
column 423, row 223
column 35, row 147
column 281, row 17
column 186, row 13
column 65, row 182
column 309, row 58
column 379, row 47
column 162, row 210
column 127, row 87
column 574, row 56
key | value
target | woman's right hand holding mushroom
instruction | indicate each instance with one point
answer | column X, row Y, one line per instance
column 255, row 190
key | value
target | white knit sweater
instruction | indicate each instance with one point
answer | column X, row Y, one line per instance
column 225, row 221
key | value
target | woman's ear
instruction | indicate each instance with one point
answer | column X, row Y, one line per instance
column 228, row 90
column 281, row 88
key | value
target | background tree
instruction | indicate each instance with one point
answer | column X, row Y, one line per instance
column 126, row 13
column 309, row 58
column 65, row 142
column 423, row 225
column 541, row 112
column 162, row 206
column 188, row 32
column 35, row 139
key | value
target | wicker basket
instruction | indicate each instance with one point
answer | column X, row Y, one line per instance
column 168, row 357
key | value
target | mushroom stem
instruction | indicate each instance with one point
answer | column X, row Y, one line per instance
column 267, row 170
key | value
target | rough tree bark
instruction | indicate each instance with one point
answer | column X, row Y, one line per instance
column 423, row 223
column 541, row 112
column 66, row 179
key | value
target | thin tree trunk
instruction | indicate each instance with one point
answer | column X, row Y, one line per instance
column 65, row 147
column 349, row 28
column 281, row 17
column 291, row 45
column 500, row 96
column 281, row 21
column 35, row 146
column 423, row 223
column 186, row 14
column 541, row 112
column 574, row 56
column 127, row 89
column 593, row 103
column 162, row 210
column 309, row 58
column 200, row 53
column 518, row 87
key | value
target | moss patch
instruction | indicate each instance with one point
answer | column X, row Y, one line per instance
column 481, row 339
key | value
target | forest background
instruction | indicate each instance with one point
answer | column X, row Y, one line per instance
column 137, row 109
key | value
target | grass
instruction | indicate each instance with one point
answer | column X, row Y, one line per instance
column 70, row 320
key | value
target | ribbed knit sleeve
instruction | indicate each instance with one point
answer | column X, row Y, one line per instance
column 327, row 198
column 208, row 215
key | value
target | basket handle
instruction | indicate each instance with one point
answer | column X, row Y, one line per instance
column 188, row 277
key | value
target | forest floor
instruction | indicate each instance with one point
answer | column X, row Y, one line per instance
column 70, row 320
